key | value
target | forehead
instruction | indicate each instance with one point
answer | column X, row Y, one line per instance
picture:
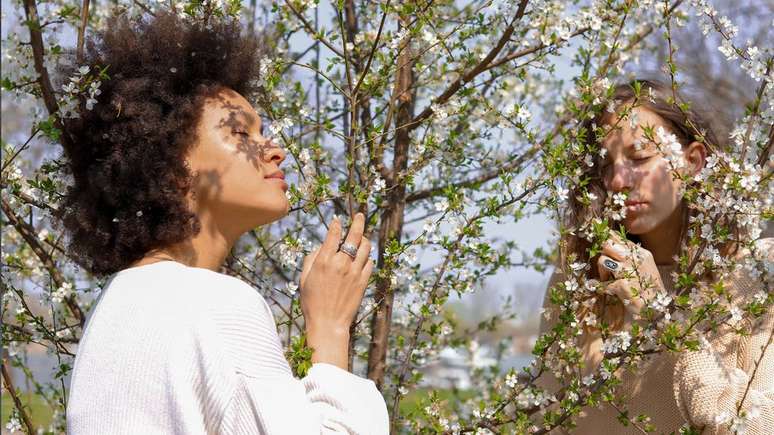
column 623, row 134
column 228, row 109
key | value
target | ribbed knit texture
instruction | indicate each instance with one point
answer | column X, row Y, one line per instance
column 172, row 349
column 693, row 387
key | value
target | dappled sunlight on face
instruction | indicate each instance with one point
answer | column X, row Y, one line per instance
column 638, row 166
column 239, row 175
column 246, row 129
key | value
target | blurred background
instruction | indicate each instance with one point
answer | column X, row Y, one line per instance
column 719, row 90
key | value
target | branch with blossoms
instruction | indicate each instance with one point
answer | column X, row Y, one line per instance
column 433, row 118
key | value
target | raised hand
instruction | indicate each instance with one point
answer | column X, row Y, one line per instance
column 631, row 274
column 332, row 287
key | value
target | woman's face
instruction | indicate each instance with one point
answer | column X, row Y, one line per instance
column 237, row 176
column 634, row 165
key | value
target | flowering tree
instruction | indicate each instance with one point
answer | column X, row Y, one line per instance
column 435, row 119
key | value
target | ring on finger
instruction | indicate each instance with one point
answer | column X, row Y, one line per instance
column 610, row 265
column 349, row 249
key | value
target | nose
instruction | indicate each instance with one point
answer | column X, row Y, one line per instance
column 620, row 177
column 274, row 152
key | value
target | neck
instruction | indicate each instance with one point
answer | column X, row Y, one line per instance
column 207, row 249
column 664, row 240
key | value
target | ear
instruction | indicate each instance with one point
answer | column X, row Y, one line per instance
column 695, row 156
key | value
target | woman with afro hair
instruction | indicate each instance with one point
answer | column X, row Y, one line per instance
column 169, row 168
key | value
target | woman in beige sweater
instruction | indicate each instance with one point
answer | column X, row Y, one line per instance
column 731, row 372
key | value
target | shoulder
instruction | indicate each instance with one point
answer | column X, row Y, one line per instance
column 221, row 290
column 751, row 276
column 755, row 265
column 197, row 293
column 765, row 246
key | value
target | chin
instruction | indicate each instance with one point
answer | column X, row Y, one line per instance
column 282, row 209
column 267, row 213
column 638, row 225
column 275, row 215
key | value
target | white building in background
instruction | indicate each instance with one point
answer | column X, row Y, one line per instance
column 453, row 366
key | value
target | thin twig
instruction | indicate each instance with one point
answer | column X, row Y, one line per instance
column 16, row 401
column 82, row 30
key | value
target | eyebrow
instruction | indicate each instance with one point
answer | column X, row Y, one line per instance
column 251, row 119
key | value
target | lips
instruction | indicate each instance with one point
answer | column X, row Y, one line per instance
column 280, row 177
column 634, row 206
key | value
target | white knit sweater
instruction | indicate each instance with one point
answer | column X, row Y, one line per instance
column 172, row 349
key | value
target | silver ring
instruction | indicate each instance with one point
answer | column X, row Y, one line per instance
column 349, row 249
column 610, row 265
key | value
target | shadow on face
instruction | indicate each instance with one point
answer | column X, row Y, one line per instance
column 639, row 167
column 237, row 179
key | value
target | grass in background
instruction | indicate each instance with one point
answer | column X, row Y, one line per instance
column 414, row 399
column 39, row 411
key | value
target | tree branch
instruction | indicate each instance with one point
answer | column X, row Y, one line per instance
column 478, row 69
column 482, row 178
column 391, row 226
column 16, row 401
column 311, row 30
column 38, row 52
column 29, row 235
column 82, row 30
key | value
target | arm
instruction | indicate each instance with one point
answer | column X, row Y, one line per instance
column 732, row 372
column 332, row 287
column 265, row 396
column 329, row 399
column 709, row 384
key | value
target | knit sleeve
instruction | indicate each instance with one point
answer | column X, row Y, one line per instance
column 710, row 384
column 708, row 390
column 328, row 400
column 268, row 399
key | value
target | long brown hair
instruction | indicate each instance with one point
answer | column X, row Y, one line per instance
column 683, row 121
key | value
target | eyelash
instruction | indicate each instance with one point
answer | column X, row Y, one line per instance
column 606, row 165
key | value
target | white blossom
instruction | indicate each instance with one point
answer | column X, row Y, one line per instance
column 62, row 293
column 670, row 148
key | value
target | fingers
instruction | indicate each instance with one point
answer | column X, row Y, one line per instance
column 623, row 290
column 607, row 267
column 363, row 251
column 365, row 275
column 615, row 250
column 355, row 233
column 331, row 243
column 624, row 251
column 308, row 262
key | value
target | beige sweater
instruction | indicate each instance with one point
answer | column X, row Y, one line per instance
column 694, row 387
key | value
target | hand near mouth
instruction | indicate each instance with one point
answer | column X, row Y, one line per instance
column 631, row 273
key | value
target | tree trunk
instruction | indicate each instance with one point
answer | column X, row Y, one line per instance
column 391, row 227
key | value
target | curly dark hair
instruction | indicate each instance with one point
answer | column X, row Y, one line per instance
column 126, row 153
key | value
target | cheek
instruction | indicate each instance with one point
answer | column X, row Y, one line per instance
column 663, row 189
